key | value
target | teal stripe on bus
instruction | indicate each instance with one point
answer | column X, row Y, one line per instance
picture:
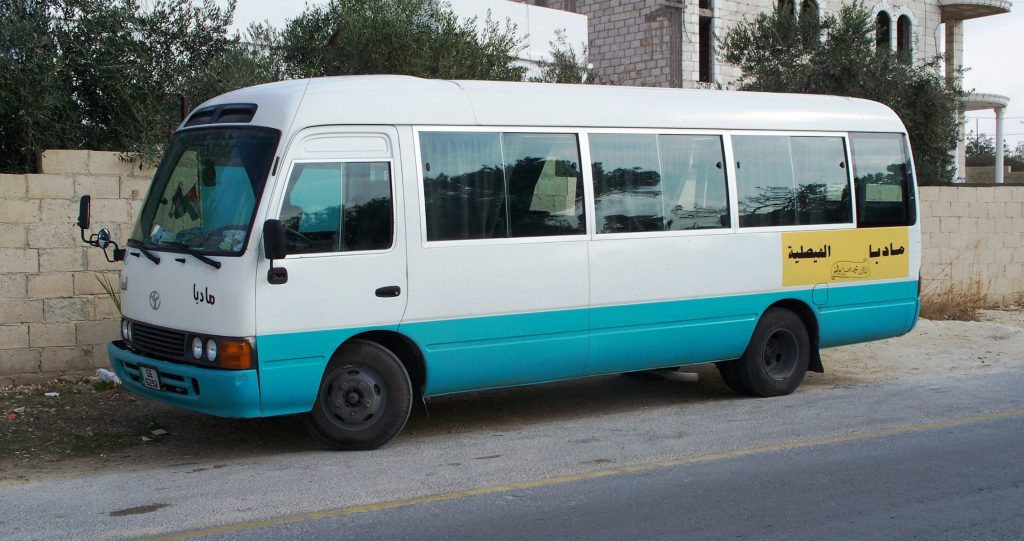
column 516, row 349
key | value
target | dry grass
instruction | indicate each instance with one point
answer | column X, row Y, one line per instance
column 954, row 304
column 965, row 291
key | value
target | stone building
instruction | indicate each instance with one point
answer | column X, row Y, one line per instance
column 672, row 42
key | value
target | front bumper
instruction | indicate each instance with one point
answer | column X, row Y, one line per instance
column 224, row 393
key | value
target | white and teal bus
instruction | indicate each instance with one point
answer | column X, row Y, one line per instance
column 340, row 247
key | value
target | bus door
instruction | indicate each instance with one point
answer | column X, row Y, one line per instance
column 337, row 195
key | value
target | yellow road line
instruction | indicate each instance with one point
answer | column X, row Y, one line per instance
column 405, row 502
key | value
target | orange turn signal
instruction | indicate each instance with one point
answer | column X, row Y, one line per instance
column 234, row 354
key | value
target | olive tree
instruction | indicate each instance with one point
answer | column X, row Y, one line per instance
column 835, row 54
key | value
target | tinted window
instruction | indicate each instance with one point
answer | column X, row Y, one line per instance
column 204, row 194
column 464, row 185
column 491, row 185
column 822, row 184
column 647, row 182
column 791, row 180
column 545, row 187
column 882, row 175
column 764, row 180
column 693, row 178
column 338, row 207
column 627, row 182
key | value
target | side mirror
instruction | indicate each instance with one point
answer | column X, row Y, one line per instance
column 83, row 212
column 103, row 238
column 100, row 240
column 274, row 247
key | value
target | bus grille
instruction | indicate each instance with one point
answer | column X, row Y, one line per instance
column 159, row 342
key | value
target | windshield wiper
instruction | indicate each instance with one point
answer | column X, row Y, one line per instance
column 196, row 254
column 149, row 255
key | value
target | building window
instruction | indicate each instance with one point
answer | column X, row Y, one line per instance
column 810, row 22
column 707, row 41
column 904, row 38
column 882, row 30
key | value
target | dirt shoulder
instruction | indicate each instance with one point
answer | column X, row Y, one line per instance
column 95, row 426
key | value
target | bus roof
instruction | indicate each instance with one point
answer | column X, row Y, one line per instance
column 403, row 100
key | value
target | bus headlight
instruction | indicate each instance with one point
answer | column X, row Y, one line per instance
column 124, row 330
column 211, row 350
column 197, row 348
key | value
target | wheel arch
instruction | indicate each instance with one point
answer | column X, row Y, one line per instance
column 810, row 319
column 407, row 352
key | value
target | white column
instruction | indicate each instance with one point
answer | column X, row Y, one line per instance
column 954, row 60
column 999, row 144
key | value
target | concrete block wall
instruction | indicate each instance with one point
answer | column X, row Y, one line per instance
column 973, row 241
column 54, row 315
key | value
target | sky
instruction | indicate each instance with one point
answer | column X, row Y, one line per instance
column 991, row 45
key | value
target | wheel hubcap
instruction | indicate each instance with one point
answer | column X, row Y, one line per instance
column 780, row 354
column 355, row 397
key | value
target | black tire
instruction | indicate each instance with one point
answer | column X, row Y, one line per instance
column 727, row 369
column 776, row 358
column 364, row 399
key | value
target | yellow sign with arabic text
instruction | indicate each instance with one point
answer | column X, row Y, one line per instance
column 847, row 255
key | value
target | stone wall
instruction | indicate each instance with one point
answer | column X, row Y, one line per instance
column 54, row 315
column 55, row 318
column 973, row 242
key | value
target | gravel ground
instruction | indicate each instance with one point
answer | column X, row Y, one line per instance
column 92, row 426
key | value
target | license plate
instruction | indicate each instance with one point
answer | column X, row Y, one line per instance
column 150, row 377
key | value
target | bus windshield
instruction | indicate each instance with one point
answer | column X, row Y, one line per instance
column 204, row 194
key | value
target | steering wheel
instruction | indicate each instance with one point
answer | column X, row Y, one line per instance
column 299, row 241
column 217, row 233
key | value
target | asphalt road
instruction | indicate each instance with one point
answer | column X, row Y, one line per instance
column 945, row 482
column 934, row 457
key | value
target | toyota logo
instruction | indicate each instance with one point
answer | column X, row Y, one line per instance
column 154, row 300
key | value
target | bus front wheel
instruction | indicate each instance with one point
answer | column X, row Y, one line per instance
column 364, row 400
column 776, row 359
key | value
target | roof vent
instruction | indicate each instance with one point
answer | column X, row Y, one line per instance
column 235, row 113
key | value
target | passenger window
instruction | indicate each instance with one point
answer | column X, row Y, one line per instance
column 627, row 182
column 658, row 182
column 693, row 177
column 785, row 180
column 338, row 207
column 882, row 175
column 545, row 186
column 464, row 185
column 822, row 184
column 491, row 185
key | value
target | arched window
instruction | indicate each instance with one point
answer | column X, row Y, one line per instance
column 787, row 7
column 809, row 8
column 810, row 23
column 883, row 23
column 706, row 41
column 904, row 39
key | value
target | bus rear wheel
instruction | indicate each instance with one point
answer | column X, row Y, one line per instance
column 364, row 400
column 727, row 369
column 777, row 356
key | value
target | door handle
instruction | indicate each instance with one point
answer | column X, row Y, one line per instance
column 388, row 291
